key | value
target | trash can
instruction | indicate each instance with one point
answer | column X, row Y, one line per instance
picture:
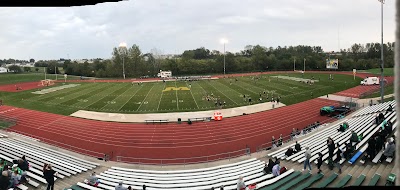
column 189, row 122
column 179, row 120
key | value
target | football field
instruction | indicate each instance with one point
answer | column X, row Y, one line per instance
column 174, row 96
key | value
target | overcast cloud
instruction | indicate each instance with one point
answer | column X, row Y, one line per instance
column 176, row 25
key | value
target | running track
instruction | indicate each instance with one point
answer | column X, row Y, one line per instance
column 165, row 141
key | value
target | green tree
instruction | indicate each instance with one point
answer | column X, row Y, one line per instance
column 15, row 69
column 27, row 69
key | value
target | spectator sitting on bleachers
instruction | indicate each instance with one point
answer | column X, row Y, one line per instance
column 280, row 141
column 379, row 143
column 390, row 108
column 297, row 147
column 143, row 187
column 4, row 180
column 119, row 186
column 2, row 164
column 276, row 169
column 353, row 138
column 15, row 178
column 349, row 150
column 298, row 132
column 289, row 152
column 21, row 173
column 129, row 188
column 389, row 151
column 23, row 164
column 240, row 184
column 342, row 128
column 293, row 134
column 273, row 142
column 389, row 127
column 93, row 180
column 381, row 117
column 270, row 166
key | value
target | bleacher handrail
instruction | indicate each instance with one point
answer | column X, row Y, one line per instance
column 269, row 144
column 184, row 161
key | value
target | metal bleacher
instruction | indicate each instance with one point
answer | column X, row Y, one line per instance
column 66, row 165
column 362, row 122
column 196, row 179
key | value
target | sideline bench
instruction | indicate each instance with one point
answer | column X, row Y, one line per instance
column 359, row 180
column 156, row 121
column 327, row 181
column 200, row 119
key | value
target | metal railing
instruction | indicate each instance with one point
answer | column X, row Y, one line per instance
column 63, row 145
column 287, row 138
column 184, row 161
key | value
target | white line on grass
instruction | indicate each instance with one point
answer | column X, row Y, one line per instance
column 224, row 94
column 127, row 89
column 105, row 95
column 145, row 97
column 131, row 97
column 193, row 97
column 162, row 92
column 177, row 100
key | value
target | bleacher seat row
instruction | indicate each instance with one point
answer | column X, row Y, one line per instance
column 37, row 156
column 360, row 123
column 375, row 108
column 196, row 179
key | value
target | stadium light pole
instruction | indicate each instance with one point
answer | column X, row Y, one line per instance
column 224, row 41
column 123, row 45
column 382, row 61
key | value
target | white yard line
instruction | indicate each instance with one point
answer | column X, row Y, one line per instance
column 193, row 97
column 177, row 100
column 129, row 87
column 159, row 102
column 130, row 97
column 145, row 97
column 225, row 94
column 98, row 99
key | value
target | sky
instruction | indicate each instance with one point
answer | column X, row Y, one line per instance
column 173, row 26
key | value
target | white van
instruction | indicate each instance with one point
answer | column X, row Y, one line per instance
column 370, row 81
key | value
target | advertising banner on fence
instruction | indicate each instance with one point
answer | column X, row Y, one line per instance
column 332, row 63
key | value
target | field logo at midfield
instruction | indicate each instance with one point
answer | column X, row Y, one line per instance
column 174, row 88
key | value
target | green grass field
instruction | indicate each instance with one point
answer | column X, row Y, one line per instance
column 174, row 96
column 386, row 71
column 7, row 78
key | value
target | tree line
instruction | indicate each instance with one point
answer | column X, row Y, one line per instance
column 202, row 61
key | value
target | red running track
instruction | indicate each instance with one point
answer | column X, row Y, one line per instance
column 166, row 140
column 23, row 86
column 358, row 91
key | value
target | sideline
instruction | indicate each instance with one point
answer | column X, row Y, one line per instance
column 173, row 116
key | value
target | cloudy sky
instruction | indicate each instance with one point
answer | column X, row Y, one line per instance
column 176, row 25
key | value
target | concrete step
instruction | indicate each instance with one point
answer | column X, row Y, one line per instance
column 73, row 180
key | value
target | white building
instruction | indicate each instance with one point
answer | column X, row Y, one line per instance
column 3, row 70
column 164, row 74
